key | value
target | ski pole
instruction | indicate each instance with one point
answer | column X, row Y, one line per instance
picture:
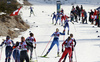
column 36, row 55
column 75, row 54
column 64, row 38
column 46, row 46
column 74, row 27
column 1, row 52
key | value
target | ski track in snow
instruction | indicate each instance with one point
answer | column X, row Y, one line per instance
column 88, row 44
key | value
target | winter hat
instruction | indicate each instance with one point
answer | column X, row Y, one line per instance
column 7, row 37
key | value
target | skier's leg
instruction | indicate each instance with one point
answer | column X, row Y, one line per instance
column 26, row 57
column 82, row 20
column 33, row 13
column 58, row 48
column 53, row 20
column 6, row 53
column 50, row 48
column 86, row 19
column 70, row 54
column 14, row 55
column 30, row 13
column 79, row 16
column 63, row 55
column 59, row 20
column 92, row 21
column 64, row 29
column 31, row 49
column 28, row 48
column 56, row 20
column 10, row 52
column 22, row 55
column 68, row 29
column 62, row 21
column 17, row 56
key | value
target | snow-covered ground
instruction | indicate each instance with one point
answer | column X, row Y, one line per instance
column 1, row 13
column 88, row 44
column 20, row 1
column 69, row 1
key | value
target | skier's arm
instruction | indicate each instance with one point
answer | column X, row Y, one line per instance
column 17, row 44
column 51, row 14
column 52, row 35
column 74, row 42
column 27, row 39
column 62, row 33
column 63, row 45
column 12, row 42
column 2, row 43
column 35, row 41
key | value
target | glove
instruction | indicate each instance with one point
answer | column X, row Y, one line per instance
column 72, row 49
column 34, row 47
column 5, row 43
column 17, row 43
column 14, row 47
column 62, row 50
column 64, row 31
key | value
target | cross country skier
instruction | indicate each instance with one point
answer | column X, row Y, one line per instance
column 31, row 11
column 62, row 11
column 55, row 41
column 66, row 25
column 85, row 16
column 68, row 49
column 30, row 40
column 54, row 17
column 72, row 18
column 16, row 53
column 8, row 49
column 74, row 44
column 23, row 52
column 62, row 18
column 58, row 17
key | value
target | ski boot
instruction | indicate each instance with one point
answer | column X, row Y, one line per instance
column 63, row 61
column 68, row 32
column 59, row 23
column 64, row 31
column 72, row 22
column 58, row 54
column 6, row 60
column 46, row 54
column 31, row 56
column 9, row 59
column 55, row 23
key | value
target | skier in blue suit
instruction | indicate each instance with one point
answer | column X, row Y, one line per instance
column 54, row 17
column 58, row 17
column 66, row 24
column 55, row 41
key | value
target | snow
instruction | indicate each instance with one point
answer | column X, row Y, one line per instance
column 1, row 13
column 88, row 44
column 16, row 29
column 20, row 1
column 69, row 1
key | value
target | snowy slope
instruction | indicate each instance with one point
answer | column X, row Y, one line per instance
column 20, row 1
column 69, row 1
column 88, row 44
